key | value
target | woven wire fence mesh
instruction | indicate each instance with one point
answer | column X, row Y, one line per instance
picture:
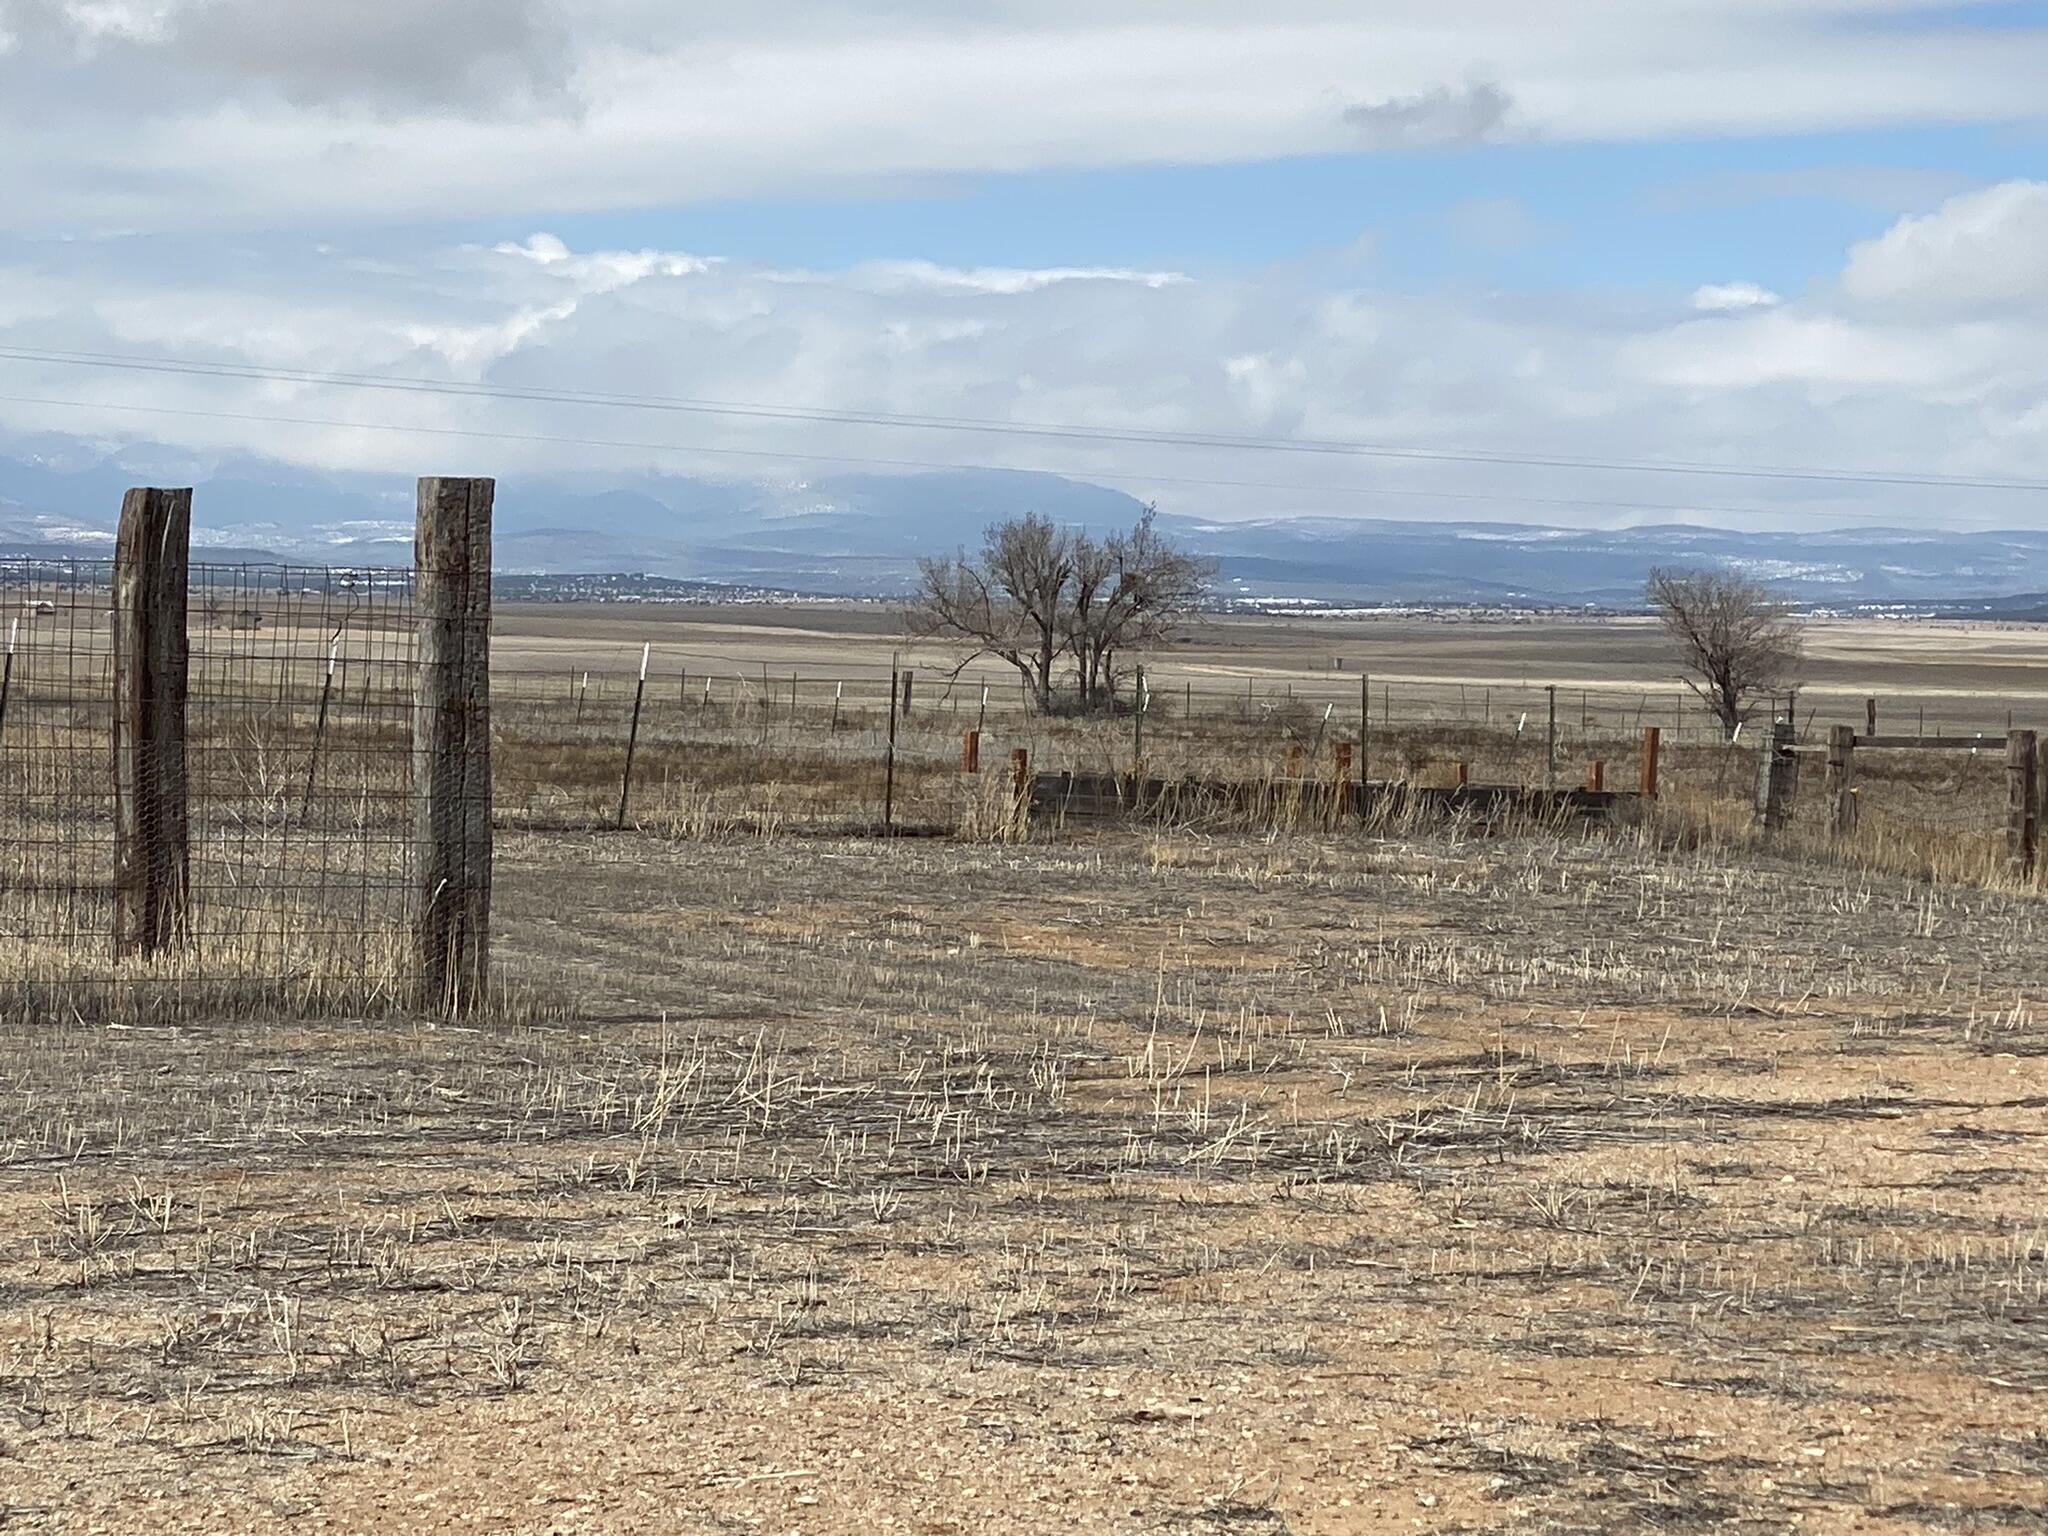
column 1944, row 806
column 299, row 774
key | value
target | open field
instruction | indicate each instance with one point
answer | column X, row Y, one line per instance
column 1944, row 676
column 1125, row 1183
column 1379, row 1176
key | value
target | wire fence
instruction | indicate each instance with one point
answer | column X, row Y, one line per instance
column 817, row 693
column 298, row 776
column 300, row 808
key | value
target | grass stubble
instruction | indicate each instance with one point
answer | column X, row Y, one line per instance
column 1172, row 1179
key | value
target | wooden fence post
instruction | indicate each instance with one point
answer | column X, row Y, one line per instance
column 1464, row 773
column 2022, row 805
column 1776, row 776
column 1020, row 786
column 1596, row 776
column 1841, row 779
column 152, row 660
column 1870, row 716
column 1652, row 740
column 970, row 752
column 908, row 676
column 452, row 743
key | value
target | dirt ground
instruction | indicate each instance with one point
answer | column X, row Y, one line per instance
column 1122, row 1183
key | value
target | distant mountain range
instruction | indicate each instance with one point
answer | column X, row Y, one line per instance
column 862, row 535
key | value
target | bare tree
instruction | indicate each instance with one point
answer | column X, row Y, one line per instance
column 1736, row 638
column 1131, row 592
column 1038, row 595
column 1010, row 603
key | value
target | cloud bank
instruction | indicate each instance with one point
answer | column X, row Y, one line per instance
column 1893, row 365
column 256, row 115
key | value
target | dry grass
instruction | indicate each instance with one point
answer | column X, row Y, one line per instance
column 1157, row 1181
column 1247, row 1170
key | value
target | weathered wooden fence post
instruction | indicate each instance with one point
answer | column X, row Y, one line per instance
column 1841, row 779
column 152, row 658
column 1652, row 740
column 909, row 676
column 1596, row 776
column 970, row 752
column 2022, row 804
column 451, row 743
column 1870, row 716
column 1776, row 776
column 1020, row 787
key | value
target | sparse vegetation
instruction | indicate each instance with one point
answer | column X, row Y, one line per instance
column 1222, row 1170
column 1180, row 1157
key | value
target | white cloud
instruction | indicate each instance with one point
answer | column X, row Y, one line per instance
column 1980, row 251
column 1826, row 377
column 256, row 114
column 904, row 276
column 1715, row 298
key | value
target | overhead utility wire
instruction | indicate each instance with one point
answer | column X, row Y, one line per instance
column 749, row 410
column 858, row 461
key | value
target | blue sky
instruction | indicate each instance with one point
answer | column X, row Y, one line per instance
column 1781, row 210
column 1731, row 232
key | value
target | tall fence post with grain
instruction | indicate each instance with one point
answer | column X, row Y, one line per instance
column 452, row 744
column 151, row 658
column 247, row 787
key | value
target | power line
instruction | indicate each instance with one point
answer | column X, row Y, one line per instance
column 1051, row 430
column 864, row 462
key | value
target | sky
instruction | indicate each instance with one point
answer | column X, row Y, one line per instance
column 1593, row 263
